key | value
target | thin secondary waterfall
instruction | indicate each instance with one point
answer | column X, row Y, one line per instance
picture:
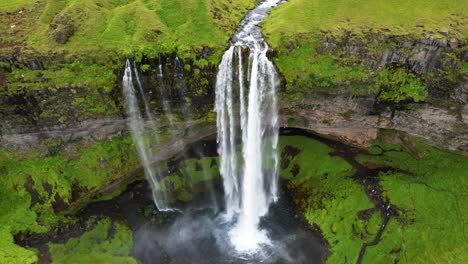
column 249, row 163
column 140, row 129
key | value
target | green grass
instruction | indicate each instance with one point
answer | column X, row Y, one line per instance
column 431, row 202
column 12, row 5
column 129, row 26
column 297, row 29
column 400, row 17
column 108, row 242
column 330, row 199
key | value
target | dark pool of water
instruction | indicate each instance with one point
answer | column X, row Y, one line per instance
column 200, row 234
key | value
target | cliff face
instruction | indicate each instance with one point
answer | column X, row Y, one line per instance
column 356, row 116
column 35, row 107
column 64, row 123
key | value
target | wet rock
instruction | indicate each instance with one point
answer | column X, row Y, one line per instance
column 443, row 42
column 206, row 52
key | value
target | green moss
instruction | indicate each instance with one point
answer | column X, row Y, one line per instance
column 75, row 74
column 306, row 70
column 330, row 199
column 108, row 242
column 428, row 196
column 34, row 188
column 185, row 181
column 398, row 85
column 12, row 253
column 430, row 201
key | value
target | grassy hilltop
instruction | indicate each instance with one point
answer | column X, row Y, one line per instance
column 122, row 26
column 297, row 31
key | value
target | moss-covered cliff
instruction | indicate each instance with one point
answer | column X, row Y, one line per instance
column 350, row 68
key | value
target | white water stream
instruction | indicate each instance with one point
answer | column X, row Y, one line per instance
column 141, row 131
column 247, row 123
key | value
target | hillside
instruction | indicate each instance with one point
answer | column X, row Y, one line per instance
column 362, row 46
column 118, row 26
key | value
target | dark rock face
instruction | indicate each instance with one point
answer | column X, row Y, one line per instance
column 421, row 56
column 436, row 61
column 62, row 28
column 355, row 119
column 188, row 89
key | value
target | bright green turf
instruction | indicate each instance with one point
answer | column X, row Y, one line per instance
column 432, row 202
column 398, row 16
column 297, row 28
column 126, row 26
column 329, row 197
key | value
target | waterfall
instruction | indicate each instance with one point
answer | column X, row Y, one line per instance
column 139, row 129
column 249, row 171
column 165, row 99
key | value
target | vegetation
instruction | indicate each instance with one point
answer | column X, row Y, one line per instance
column 184, row 181
column 398, row 17
column 298, row 30
column 398, row 85
column 322, row 186
column 125, row 26
column 307, row 70
column 426, row 187
column 429, row 195
column 12, row 253
column 108, row 242
column 34, row 189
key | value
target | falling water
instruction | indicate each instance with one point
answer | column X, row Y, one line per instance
column 138, row 126
column 249, row 173
column 165, row 98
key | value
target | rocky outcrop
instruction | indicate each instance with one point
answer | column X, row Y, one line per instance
column 31, row 116
column 356, row 120
column 47, row 93
column 437, row 61
column 61, row 28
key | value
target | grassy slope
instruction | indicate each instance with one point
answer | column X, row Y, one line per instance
column 431, row 203
column 123, row 26
column 297, row 28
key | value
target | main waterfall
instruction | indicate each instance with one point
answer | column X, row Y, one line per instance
column 247, row 125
